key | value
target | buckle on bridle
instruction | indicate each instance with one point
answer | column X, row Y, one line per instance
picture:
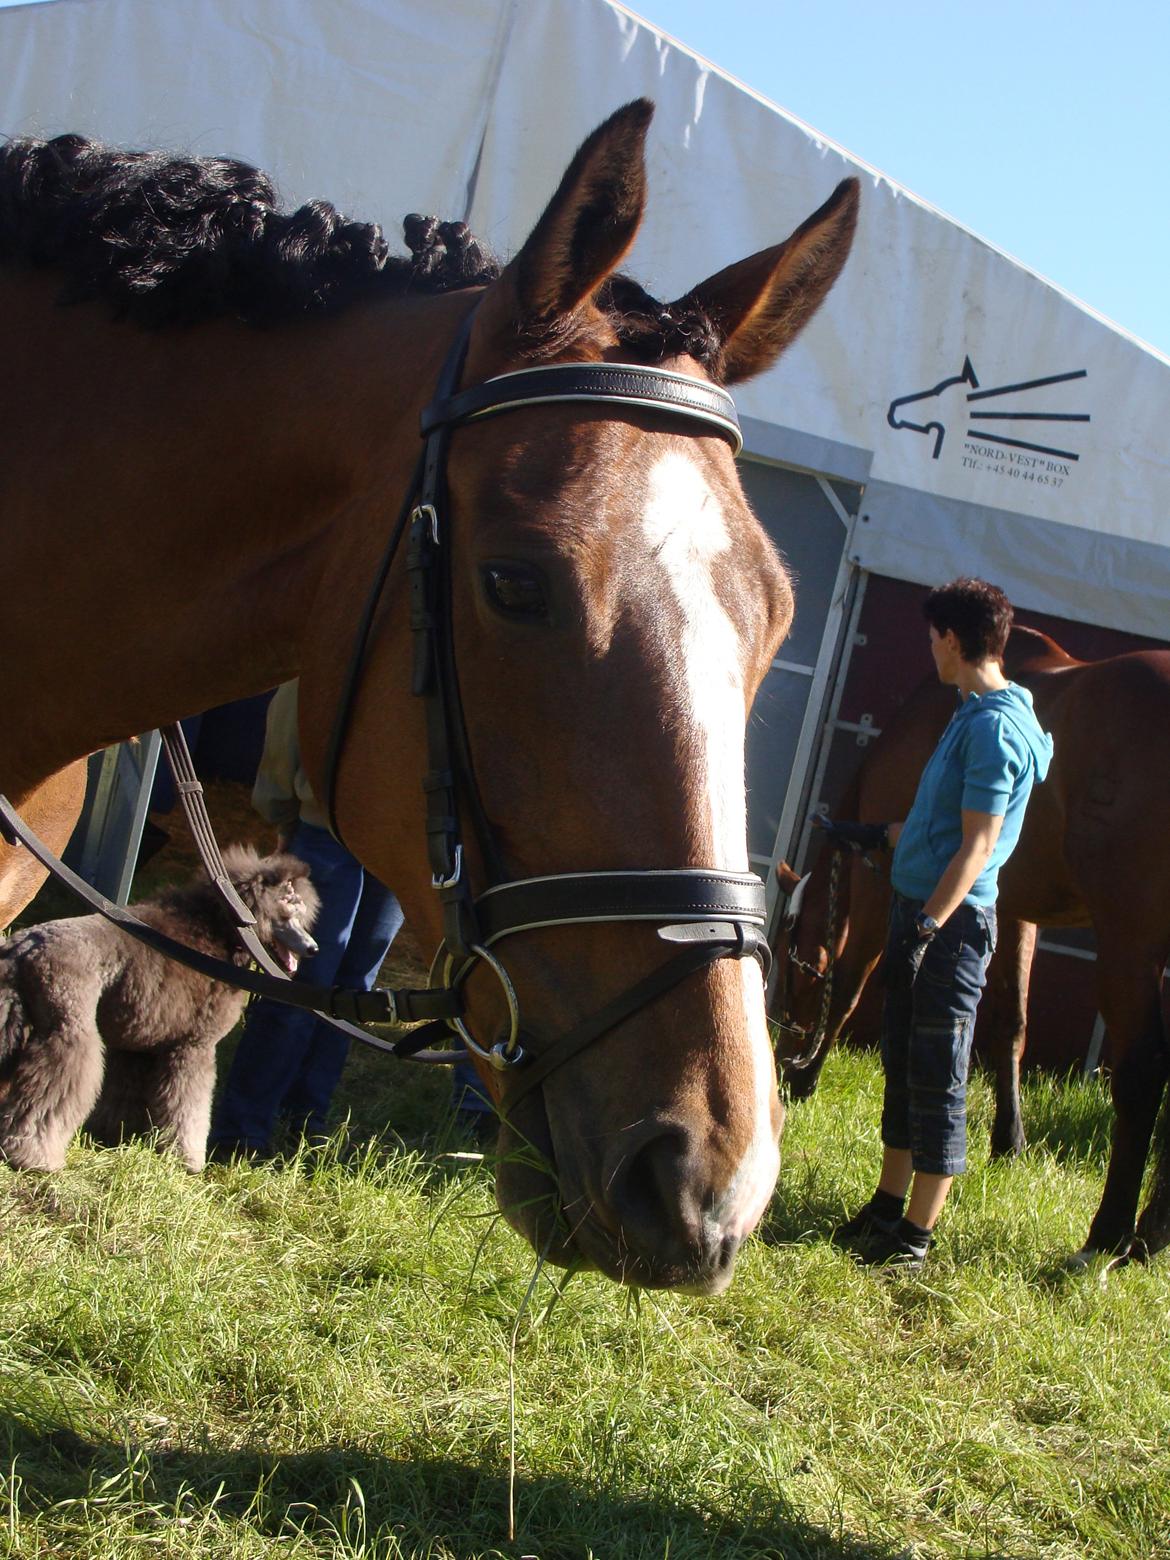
column 805, row 967
column 429, row 513
column 439, row 881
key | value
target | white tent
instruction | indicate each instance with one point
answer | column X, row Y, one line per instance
column 946, row 412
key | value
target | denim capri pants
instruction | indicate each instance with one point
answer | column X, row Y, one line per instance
column 926, row 1037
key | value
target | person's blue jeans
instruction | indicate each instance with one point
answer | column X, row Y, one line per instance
column 468, row 1091
column 927, row 1030
column 288, row 1062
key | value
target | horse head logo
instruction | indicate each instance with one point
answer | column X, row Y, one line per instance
column 974, row 394
column 967, row 377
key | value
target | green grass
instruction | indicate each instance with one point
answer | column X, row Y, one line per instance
column 311, row 1358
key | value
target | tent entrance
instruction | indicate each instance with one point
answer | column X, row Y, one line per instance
column 811, row 519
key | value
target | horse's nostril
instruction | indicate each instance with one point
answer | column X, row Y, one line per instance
column 643, row 1187
column 657, row 1196
column 726, row 1253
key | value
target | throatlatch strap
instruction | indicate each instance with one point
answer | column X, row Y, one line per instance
column 357, row 656
column 433, row 680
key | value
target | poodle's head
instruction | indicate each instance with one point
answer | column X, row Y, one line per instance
column 279, row 894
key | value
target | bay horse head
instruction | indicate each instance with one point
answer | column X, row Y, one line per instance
column 613, row 607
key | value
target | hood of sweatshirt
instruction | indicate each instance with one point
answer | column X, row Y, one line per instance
column 1014, row 704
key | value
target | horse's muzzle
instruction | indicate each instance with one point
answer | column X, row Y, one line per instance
column 650, row 1218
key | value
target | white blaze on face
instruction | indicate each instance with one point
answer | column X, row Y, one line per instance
column 685, row 529
column 684, row 526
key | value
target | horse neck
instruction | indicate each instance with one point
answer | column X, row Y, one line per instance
column 192, row 569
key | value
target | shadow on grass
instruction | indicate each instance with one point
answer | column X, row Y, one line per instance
column 397, row 1105
column 804, row 1211
column 1070, row 1118
column 386, row 1506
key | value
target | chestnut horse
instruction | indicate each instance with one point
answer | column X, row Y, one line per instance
column 195, row 512
column 1094, row 851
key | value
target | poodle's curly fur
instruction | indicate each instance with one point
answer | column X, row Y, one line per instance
column 92, row 1020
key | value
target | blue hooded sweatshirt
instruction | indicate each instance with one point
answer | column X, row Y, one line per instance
column 987, row 760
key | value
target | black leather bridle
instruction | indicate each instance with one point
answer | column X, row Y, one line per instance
column 707, row 915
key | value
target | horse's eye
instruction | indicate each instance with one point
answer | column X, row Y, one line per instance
column 517, row 590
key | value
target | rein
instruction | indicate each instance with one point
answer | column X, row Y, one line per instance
column 705, row 914
column 339, row 1007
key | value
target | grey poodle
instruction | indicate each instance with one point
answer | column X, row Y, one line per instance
column 93, row 1021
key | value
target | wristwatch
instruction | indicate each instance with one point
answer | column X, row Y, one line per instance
column 925, row 925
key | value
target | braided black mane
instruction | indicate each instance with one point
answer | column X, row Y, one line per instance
column 651, row 331
column 169, row 240
column 174, row 240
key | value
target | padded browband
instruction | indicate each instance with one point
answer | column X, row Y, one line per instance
column 674, row 895
column 656, row 389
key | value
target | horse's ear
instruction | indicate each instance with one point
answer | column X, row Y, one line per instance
column 763, row 303
column 586, row 228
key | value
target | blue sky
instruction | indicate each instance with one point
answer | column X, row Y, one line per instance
column 1044, row 127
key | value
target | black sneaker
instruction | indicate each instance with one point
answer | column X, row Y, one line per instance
column 895, row 1248
column 862, row 1227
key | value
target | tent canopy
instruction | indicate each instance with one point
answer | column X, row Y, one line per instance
column 992, row 416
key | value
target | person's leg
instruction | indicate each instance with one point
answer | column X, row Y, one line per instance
column 276, row 1038
column 270, row 1049
column 897, row 1172
column 884, row 1208
column 376, row 922
column 469, row 1093
column 945, row 998
column 928, row 1193
column 897, row 1025
column 473, row 1113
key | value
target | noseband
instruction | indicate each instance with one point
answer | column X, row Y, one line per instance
column 706, row 914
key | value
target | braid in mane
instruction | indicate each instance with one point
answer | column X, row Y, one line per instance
column 653, row 331
column 447, row 253
column 180, row 239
